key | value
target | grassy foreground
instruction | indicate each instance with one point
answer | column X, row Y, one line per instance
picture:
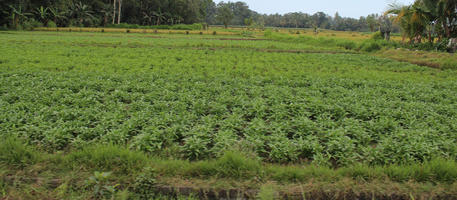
column 110, row 171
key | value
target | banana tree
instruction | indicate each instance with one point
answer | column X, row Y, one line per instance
column 178, row 19
column 57, row 15
column 42, row 14
column 448, row 16
column 18, row 15
column 159, row 17
column 106, row 12
column 149, row 17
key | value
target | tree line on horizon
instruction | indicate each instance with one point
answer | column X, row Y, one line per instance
column 17, row 14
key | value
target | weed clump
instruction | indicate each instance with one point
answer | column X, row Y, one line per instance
column 235, row 164
column 349, row 45
column 13, row 152
column 107, row 158
column 370, row 46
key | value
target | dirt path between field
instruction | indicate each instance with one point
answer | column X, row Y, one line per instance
column 342, row 190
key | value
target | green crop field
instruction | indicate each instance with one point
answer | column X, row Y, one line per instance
column 185, row 105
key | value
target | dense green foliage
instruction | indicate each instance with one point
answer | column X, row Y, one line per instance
column 427, row 19
column 190, row 97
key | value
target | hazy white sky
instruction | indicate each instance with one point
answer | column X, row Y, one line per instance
column 346, row 8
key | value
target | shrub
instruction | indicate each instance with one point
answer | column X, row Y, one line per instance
column 4, row 28
column 101, row 188
column 349, row 45
column 195, row 147
column 370, row 46
column 30, row 24
column 51, row 24
column 144, row 186
column 282, row 150
column 268, row 33
column 247, row 34
column 442, row 45
column 147, row 142
column 377, row 36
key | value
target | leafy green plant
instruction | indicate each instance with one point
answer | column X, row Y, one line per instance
column 144, row 186
column 100, row 185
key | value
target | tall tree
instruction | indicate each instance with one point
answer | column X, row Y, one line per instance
column 114, row 11
column 224, row 14
column 371, row 21
column 119, row 12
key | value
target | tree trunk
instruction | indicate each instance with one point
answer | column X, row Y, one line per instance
column 446, row 28
column 119, row 13
column 387, row 36
column 430, row 37
column 114, row 11
column 15, row 20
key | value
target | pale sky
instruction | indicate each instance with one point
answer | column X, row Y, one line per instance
column 346, row 8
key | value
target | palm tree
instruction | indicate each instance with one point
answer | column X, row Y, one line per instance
column 412, row 19
column 430, row 11
column 425, row 17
